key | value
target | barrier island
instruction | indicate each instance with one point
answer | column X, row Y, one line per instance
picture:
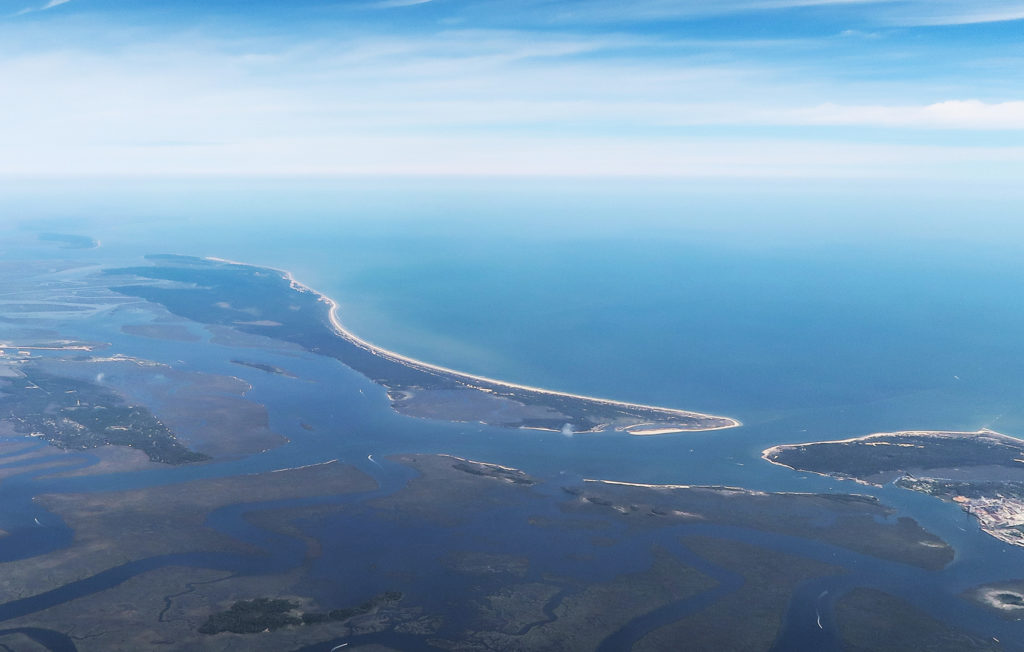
column 271, row 303
column 981, row 471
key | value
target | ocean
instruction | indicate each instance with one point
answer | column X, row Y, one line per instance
column 808, row 313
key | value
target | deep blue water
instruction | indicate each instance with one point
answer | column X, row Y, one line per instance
column 808, row 313
column 691, row 298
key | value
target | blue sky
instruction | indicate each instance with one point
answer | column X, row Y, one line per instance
column 838, row 89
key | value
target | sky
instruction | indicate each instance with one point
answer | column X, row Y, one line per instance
column 924, row 90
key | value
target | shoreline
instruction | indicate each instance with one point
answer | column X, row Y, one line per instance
column 398, row 358
column 999, row 513
column 715, row 487
column 938, row 434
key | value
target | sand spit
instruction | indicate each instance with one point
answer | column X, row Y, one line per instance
column 470, row 379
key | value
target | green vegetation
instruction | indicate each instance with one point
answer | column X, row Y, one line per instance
column 975, row 490
column 512, row 475
column 270, row 369
column 266, row 614
column 265, row 302
column 849, row 521
column 1011, row 598
column 75, row 414
column 893, row 452
column 981, row 471
column 872, row 620
column 377, row 601
column 251, row 616
column 748, row 618
column 1004, row 598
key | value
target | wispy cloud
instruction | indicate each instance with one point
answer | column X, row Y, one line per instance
column 389, row 4
column 866, row 12
column 922, row 12
column 496, row 101
column 966, row 14
column 615, row 11
column 49, row 5
column 950, row 114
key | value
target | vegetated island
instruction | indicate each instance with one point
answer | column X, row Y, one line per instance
column 1005, row 597
column 79, row 415
column 270, row 303
column 856, row 522
column 267, row 614
column 870, row 620
column 981, row 471
column 554, row 611
column 578, row 595
column 268, row 368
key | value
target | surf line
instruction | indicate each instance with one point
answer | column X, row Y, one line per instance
column 463, row 377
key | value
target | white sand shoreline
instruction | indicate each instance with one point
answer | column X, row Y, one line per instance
column 405, row 360
column 938, row 434
column 875, row 435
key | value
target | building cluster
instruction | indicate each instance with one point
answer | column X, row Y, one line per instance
column 1001, row 516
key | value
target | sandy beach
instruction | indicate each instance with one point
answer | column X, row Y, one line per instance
column 470, row 379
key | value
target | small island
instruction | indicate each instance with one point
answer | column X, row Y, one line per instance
column 268, row 614
column 856, row 522
column 268, row 368
column 981, row 471
column 1005, row 598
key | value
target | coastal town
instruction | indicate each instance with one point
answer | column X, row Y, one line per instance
column 997, row 506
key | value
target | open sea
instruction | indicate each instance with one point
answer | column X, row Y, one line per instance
column 807, row 312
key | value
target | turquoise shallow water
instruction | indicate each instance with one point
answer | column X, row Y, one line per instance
column 807, row 313
column 804, row 312
column 757, row 303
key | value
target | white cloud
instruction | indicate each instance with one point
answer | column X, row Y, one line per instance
column 463, row 102
column 388, row 4
column 498, row 155
column 950, row 114
column 972, row 17
column 615, row 10
column 879, row 12
column 955, row 12
column 49, row 5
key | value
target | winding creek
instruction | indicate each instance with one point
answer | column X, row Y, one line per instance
column 546, row 553
column 350, row 420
